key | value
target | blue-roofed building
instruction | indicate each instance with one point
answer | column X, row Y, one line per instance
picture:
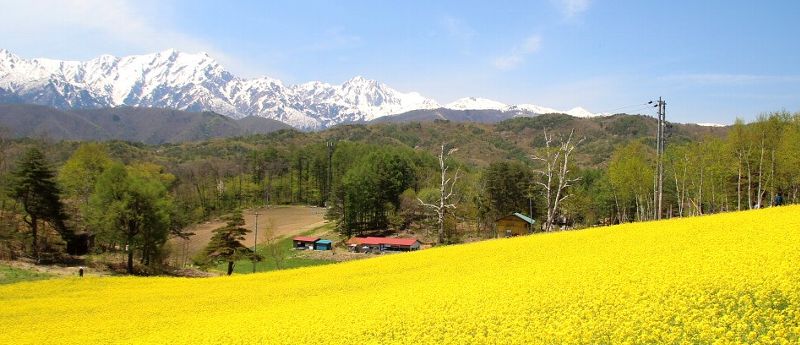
column 323, row 245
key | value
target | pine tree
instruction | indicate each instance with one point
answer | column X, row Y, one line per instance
column 33, row 185
column 226, row 243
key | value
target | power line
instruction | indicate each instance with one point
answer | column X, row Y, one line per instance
column 648, row 106
column 627, row 106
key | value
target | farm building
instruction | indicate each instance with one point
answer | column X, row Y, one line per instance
column 323, row 245
column 364, row 244
column 514, row 225
column 400, row 244
column 304, row 242
column 380, row 244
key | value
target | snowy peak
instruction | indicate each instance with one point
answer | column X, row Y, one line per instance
column 174, row 79
column 535, row 109
column 194, row 82
column 6, row 55
column 532, row 108
column 475, row 103
column 580, row 112
column 710, row 124
column 358, row 82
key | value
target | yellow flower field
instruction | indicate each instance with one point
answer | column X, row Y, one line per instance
column 727, row 279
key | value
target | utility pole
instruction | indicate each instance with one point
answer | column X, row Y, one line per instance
column 658, row 184
column 255, row 243
column 661, row 168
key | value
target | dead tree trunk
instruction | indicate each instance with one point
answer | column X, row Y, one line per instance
column 739, row 186
column 760, row 174
column 445, row 193
column 555, row 174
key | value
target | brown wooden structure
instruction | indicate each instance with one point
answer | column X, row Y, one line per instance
column 514, row 224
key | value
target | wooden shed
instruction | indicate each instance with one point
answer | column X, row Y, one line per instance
column 514, row 224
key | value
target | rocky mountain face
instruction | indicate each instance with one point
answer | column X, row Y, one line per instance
column 196, row 82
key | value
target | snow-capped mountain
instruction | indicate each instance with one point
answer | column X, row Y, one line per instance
column 172, row 79
column 475, row 103
column 710, row 124
column 195, row 82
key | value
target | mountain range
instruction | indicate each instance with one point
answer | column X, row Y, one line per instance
column 196, row 82
column 145, row 125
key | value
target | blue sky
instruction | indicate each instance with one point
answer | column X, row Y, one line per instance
column 712, row 60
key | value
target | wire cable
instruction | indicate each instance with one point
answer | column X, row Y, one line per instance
column 627, row 106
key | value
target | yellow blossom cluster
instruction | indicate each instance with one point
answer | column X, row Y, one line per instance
column 723, row 279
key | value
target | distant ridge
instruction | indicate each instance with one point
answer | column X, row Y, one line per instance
column 197, row 82
column 428, row 115
column 146, row 125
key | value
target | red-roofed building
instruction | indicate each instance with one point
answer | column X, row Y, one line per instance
column 380, row 244
column 304, row 242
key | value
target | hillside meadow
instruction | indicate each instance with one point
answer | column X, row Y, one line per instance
column 728, row 278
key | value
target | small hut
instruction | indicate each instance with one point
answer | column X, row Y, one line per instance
column 304, row 242
column 323, row 245
column 515, row 224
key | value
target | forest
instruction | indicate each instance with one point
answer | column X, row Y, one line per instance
column 443, row 182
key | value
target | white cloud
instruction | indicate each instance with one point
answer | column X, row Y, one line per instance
column 518, row 54
column 531, row 44
column 572, row 8
column 457, row 29
column 508, row 62
column 97, row 26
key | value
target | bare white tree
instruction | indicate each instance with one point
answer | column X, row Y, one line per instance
column 555, row 173
column 445, row 192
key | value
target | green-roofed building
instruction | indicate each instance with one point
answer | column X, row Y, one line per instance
column 514, row 224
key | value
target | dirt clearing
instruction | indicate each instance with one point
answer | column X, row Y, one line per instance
column 284, row 221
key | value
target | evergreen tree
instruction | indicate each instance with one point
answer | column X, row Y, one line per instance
column 33, row 185
column 226, row 243
column 507, row 185
column 372, row 188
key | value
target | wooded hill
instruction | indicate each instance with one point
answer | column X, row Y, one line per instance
column 145, row 125
column 516, row 139
column 376, row 177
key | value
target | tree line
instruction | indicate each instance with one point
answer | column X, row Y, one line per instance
column 132, row 198
column 756, row 165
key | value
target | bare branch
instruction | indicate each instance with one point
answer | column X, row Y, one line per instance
column 426, row 204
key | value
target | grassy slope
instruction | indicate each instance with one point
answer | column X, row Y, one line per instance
column 731, row 278
column 268, row 264
column 10, row 275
